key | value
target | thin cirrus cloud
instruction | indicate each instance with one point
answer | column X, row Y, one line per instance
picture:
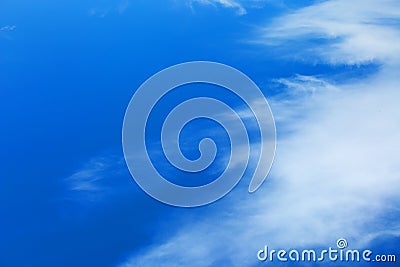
column 91, row 182
column 8, row 28
column 224, row 3
column 349, row 32
column 241, row 7
column 336, row 172
column 5, row 31
column 330, row 179
column 106, row 8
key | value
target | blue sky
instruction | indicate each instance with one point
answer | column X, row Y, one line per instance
column 329, row 70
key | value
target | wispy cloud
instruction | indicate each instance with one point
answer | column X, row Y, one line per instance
column 104, row 9
column 95, row 179
column 330, row 179
column 8, row 28
column 240, row 6
column 224, row 3
column 340, row 31
column 5, row 31
column 123, row 6
column 336, row 172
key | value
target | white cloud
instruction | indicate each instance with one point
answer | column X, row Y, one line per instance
column 85, row 179
column 123, row 6
column 106, row 7
column 225, row 3
column 8, row 28
column 240, row 6
column 92, row 181
column 336, row 172
column 351, row 32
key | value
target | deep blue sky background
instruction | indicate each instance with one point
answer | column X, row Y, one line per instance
column 67, row 73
